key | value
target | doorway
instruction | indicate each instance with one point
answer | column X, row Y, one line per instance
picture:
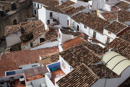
column 94, row 34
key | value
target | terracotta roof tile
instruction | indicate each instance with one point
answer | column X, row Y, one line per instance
column 11, row 29
column 81, row 76
column 65, row 4
column 79, row 54
column 120, row 46
column 80, row 8
column 91, row 21
column 123, row 16
column 70, row 32
column 29, row 56
column 126, row 83
column 126, row 35
column 102, row 71
column 110, row 15
column 6, row 65
column 67, row 9
column 36, row 28
column 115, row 27
column 123, row 5
column 73, row 42
column 51, row 34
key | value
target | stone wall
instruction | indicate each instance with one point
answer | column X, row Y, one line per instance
column 19, row 15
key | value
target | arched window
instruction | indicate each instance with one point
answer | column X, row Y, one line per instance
column 14, row 22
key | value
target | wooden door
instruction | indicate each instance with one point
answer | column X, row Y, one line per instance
column 68, row 23
column 108, row 40
column 94, row 34
column 48, row 21
column 77, row 27
column 50, row 14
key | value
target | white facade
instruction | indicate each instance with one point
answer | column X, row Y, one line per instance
column 98, row 4
column 13, row 38
column 44, row 15
column 36, row 6
column 65, row 67
column 108, row 34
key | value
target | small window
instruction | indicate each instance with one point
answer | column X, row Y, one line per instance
column 109, row 32
column 38, row 6
column 35, row 12
column 31, row 44
column 42, row 40
column 34, row 65
column 85, row 26
column 35, row 4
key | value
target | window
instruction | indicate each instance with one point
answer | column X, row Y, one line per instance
column 109, row 32
column 94, row 34
column 38, row 6
column 48, row 21
column 51, row 14
column 31, row 44
column 85, row 26
column 77, row 27
column 35, row 12
column 35, row 4
column 34, row 65
column 42, row 40
column 73, row 24
column 68, row 23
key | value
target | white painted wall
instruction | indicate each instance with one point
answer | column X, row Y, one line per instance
column 66, row 37
column 98, row 4
column 66, row 70
column 127, row 23
column 60, row 48
column 99, row 15
column 80, row 3
column 13, row 38
column 6, row 78
column 48, row 82
column 36, row 7
column 106, row 34
column 63, row 19
column 74, row 1
column 45, row 45
column 42, row 14
column 107, row 7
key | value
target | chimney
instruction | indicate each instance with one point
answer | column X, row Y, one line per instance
column 59, row 2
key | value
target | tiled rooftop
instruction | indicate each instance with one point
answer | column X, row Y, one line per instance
column 51, row 34
column 126, row 35
column 65, row 4
column 95, row 48
column 81, row 76
column 114, row 8
column 11, row 29
column 65, row 31
column 115, row 27
column 80, row 8
column 123, row 5
column 29, row 56
column 123, row 16
column 73, row 42
column 79, row 54
column 67, row 9
column 91, row 21
column 35, row 27
column 110, row 15
column 120, row 46
column 102, row 71
column 6, row 65
column 126, row 83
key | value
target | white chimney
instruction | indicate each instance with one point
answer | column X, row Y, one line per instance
column 59, row 2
